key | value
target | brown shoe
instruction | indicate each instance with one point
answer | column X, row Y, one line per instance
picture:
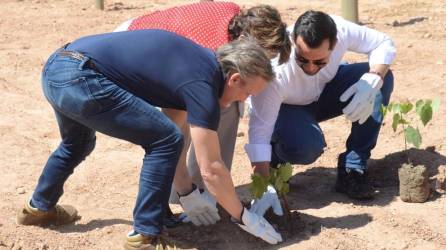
column 58, row 215
column 142, row 242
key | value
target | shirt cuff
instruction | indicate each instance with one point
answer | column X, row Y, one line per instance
column 382, row 57
column 258, row 152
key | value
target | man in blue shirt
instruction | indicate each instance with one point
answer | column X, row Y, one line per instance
column 112, row 83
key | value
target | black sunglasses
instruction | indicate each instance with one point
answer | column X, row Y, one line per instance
column 301, row 61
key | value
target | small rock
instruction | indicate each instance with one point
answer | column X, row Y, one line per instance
column 240, row 134
column 410, row 45
column 427, row 35
column 439, row 62
column 440, row 180
column 21, row 190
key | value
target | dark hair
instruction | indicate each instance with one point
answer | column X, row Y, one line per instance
column 314, row 27
column 263, row 23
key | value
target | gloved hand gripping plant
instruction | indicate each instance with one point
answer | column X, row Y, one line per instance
column 272, row 187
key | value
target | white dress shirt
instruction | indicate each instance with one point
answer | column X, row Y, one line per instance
column 293, row 86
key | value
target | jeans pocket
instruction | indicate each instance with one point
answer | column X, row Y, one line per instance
column 72, row 98
column 62, row 71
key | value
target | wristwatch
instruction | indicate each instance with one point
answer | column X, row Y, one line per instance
column 188, row 193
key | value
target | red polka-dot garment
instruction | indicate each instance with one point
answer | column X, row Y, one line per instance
column 206, row 23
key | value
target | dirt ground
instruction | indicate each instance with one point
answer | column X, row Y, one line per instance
column 104, row 187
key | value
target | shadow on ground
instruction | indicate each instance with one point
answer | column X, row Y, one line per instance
column 408, row 22
column 304, row 227
column 91, row 225
column 312, row 188
column 118, row 6
column 384, row 171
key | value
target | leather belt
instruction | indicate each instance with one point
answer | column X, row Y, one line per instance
column 76, row 55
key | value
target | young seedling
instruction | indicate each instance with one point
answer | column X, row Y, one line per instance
column 278, row 178
column 401, row 112
column 414, row 185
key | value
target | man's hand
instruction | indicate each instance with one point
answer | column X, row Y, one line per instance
column 259, row 227
column 199, row 208
column 269, row 199
column 364, row 92
column 206, row 195
column 261, row 168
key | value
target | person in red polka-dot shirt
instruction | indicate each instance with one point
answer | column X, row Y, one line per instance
column 212, row 24
column 204, row 23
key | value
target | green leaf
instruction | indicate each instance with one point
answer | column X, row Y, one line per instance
column 285, row 189
column 383, row 110
column 413, row 136
column 272, row 175
column 280, row 177
column 278, row 184
column 258, row 185
column 426, row 113
column 406, row 107
column 285, row 171
column 418, row 105
column 436, row 105
column 396, row 108
column 396, row 120
column 389, row 107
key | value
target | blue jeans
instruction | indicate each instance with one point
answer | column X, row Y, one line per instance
column 84, row 102
column 298, row 139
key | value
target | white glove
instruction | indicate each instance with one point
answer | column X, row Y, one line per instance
column 364, row 91
column 206, row 195
column 269, row 199
column 199, row 209
column 259, row 227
